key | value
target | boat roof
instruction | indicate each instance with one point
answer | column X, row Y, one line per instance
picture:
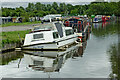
column 48, row 26
column 74, row 18
column 52, row 26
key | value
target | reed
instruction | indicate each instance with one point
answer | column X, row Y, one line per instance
column 12, row 37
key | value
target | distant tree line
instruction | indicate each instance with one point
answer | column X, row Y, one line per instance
column 39, row 10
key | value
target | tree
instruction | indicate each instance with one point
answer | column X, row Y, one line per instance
column 63, row 7
column 69, row 8
column 6, row 12
column 38, row 6
column 74, row 12
column 53, row 11
column 25, row 17
column 19, row 11
column 38, row 9
column 48, row 7
column 22, row 8
column 118, row 7
column 55, row 5
column 44, row 7
column 31, row 7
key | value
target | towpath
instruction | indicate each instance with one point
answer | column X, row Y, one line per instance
column 16, row 28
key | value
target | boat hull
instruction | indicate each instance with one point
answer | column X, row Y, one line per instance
column 51, row 45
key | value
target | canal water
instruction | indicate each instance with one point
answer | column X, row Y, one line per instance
column 97, row 57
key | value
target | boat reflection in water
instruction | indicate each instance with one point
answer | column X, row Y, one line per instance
column 51, row 61
column 80, row 50
column 102, row 24
column 97, row 25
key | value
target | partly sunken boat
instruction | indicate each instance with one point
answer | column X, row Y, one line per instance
column 52, row 35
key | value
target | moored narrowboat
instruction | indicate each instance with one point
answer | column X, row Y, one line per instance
column 79, row 25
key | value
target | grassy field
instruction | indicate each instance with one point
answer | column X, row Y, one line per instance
column 12, row 37
column 19, row 24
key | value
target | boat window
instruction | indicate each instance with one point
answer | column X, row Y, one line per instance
column 46, row 26
column 55, row 35
column 38, row 62
column 36, row 28
column 72, row 31
column 58, row 16
column 59, row 29
column 37, row 36
column 69, row 32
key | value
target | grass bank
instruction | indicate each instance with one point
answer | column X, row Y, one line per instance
column 12, row 37
column 19, row 24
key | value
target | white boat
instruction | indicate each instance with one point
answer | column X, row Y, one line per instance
column 52, row 35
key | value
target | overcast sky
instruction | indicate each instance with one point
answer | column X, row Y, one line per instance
column 47, row 0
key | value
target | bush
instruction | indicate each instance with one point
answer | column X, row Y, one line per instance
column 26, row 19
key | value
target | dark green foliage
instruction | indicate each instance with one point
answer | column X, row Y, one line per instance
column 104, row 8
column 26, row 18
column 40, row 10
column 53, row 11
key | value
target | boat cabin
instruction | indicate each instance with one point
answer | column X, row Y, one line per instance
column 50, row 33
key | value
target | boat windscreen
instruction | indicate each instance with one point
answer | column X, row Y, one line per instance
column 59, row 29
column 44, row 27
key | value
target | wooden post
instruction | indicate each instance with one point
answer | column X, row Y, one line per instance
column 20, row 39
